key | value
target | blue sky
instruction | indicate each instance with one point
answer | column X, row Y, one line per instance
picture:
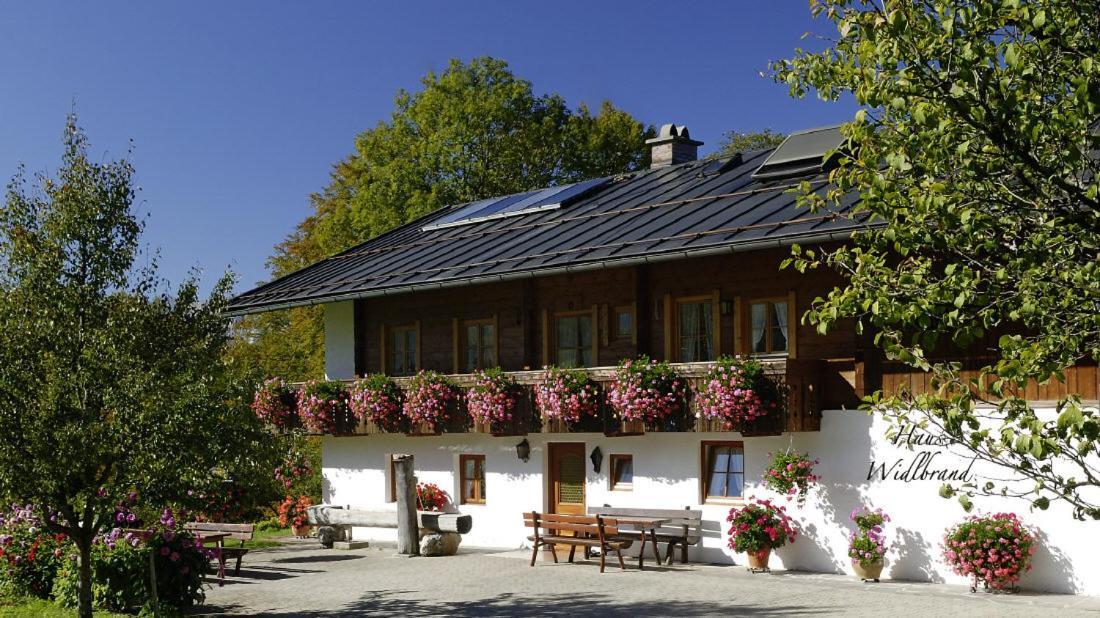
column 238, row 109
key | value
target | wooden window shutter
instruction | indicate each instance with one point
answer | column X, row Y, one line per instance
column 595, row 335
column 668, row 327
column 496, row 340
column 716, row 321
column 416, row 326
column 382, row 349
column 738, row 327
column 633, row 324
column 792, row 326
column 545, row 319
column 605, row 327
column 455, row 343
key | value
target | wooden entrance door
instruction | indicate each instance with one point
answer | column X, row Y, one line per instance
column 567, row 471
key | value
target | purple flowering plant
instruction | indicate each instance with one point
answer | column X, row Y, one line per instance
column 867, row 544
column 646, row 390
column 276, row 402
column 322, row 403
column 736, row 391
column 430, row 398
column 378, row 399
column 567, row 394
column 29, row 554
column 492, row 397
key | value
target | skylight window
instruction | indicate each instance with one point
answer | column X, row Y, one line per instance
column 803, row 152
column 517, row 204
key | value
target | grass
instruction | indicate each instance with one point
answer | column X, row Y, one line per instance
column 19, row 608
column 264, row 539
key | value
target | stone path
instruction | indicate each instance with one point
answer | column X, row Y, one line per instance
column 301, row 579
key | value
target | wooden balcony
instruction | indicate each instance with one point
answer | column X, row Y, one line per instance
column 802, row 413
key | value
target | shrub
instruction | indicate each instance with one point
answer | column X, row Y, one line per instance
column 276, row 402
column 567, row 394
column 294, row 511
column 378, row 399
column 737, row 391
column 758, row 526
column 430, row 497
column 430, row 398
column 29, row 555
column 995, row 549
column 646, row 390
column 791, row 473
column 321, row 404
column 293, row 470
column 867, row 544
column 492, row 397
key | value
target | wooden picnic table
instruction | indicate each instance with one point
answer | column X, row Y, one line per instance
column 644, row 525
column 218, row 539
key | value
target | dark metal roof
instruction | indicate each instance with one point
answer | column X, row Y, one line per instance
column 675, row 212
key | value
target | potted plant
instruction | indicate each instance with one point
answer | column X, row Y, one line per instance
column 993, row 549
column 323, row 405
column 430, row 401
column 294, row 514
column 735, row 392
column 276, row 403
column 758, row 528
column 491, row 401
column 429, row 497
column 646, row 394
column 567, row 399
column 376, row 400
column 791, row 473
column 867, row 546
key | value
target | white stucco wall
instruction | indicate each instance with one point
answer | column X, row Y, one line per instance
column 666, row 472
column 340, row 340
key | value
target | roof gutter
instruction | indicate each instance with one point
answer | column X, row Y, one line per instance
column 546, row 272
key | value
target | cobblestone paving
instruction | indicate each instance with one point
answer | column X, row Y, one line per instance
column 302, row 579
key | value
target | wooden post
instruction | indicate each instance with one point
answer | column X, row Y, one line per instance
column 408, row 532
column 153, row 584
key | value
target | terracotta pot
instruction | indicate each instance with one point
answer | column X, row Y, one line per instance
column 758, row 560
column 302, row 531
column 871, row 571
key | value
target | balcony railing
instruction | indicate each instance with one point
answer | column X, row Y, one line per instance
column 801, row 378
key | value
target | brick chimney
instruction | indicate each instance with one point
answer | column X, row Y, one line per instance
column 673, row 145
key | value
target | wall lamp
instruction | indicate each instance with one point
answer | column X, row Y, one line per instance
column 523, row 450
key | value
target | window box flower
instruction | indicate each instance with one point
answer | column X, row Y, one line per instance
column 323, row 405
column 276, row 402
column 737, row 395
column 376, row 401
column 492, row 403
column 646, row 394
column 431, row 403
column 993, row 549
column 568, row 400
column 758, row 528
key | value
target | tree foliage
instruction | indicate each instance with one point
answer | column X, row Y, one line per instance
column 472, row 131
column 108, row 383
column 976, row 149
column 734, row 142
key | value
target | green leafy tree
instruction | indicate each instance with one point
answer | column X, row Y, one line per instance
column 734, row 142
column 975, row 149
column 108, row 383
column 472, row 131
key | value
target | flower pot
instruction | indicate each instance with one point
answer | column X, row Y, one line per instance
column 302, row 531
column 758, row 560
column 869, row 571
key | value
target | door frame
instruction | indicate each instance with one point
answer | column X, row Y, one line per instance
column 549, row 498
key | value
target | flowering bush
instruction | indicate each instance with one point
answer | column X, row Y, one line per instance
column 29, row 554
column 791, row 473
column 430, row 398
column 759, row 526
column 567, row 394
column 276, row 403
column 294, row 511
column 492, row 397
column 293, row 468
column 378, row 399
column 867, row 544
column 322, row 404
column 995, row 549
column 430, row 497
column 737, row 391
column 646, row 390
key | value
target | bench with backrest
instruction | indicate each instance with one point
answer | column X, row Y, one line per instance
column 585, row 531
column 237, row 532
column 684, row 526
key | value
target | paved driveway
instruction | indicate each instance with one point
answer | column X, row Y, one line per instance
column 302, row 579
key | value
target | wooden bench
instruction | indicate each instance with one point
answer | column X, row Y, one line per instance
column 239, row 532
column 589, row 532
column 684, row 527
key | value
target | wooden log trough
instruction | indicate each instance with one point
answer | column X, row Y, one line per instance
column 335, row 522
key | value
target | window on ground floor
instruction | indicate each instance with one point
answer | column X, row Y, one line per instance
column 472, row 478
column 622, row 472
column 723, row 473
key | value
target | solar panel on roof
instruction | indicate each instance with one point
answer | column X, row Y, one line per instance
column 803, row 152
column 516, row 204
column 719, row 166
